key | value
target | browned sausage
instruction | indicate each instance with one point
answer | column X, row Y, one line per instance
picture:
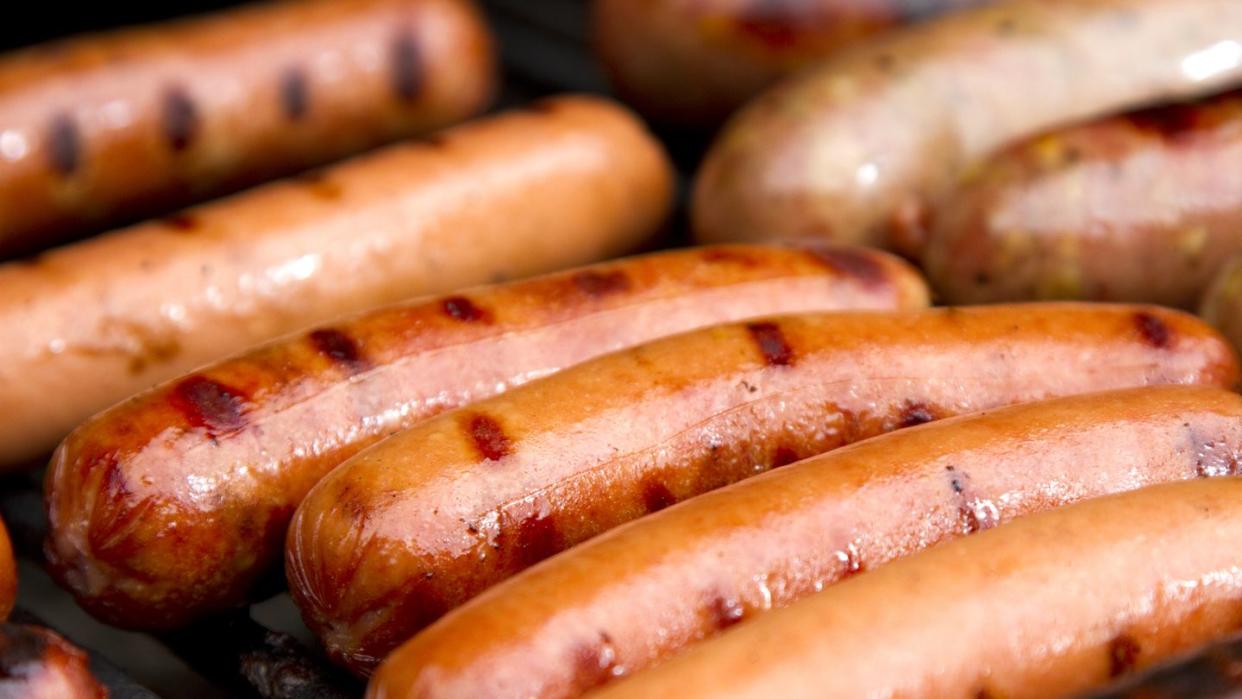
column 858, row 148
column 1214, row 672
column 217, row 460
column 1222, row 302
column 1045, row 606
column 693, row 62
column 430, row 517
column 36, row 663
column 100, row 128
column 1142, row 207
column 635, row 595
column 570, row 181
column 8, row 574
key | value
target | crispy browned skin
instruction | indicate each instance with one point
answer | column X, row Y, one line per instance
column 101, row 128
column 1214, row 672
column 1222, row 302
column 430, row 517
column 216, row 461
column 36, row 663
column 636, row 595
column 1045, row 606
column 858, row 148
column 568, row 181
column 693, row 62
column 1142, row 207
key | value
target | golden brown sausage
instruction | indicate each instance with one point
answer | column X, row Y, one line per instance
column 430, row 517
column 217, row 460
column 1045, row 606
column 568, row 181
column 100, row 128
column 858, row 148
column 636, row 595
column 36, row 663
column 1214, row 672
column 693, row 62
column 1141, row 207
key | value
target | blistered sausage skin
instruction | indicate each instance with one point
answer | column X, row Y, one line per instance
column 1141, row 207
column 36, row 663
column 691, row 62
column 771, row 540
column 565, row 182
column 1046, row 606
column 419, row 523
column 101, row 128
column 222, row 456
column 1214, row 672
column 860, row 147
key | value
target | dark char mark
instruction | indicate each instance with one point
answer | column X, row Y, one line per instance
column 726, row 611
column 657, row 496
column 294, row 93
column 407, row 68
column 854, row 264
column 973, row 517
column 463, row 309
column 338, row 347
column 489, row 437
column 210, row 404
column 63, row 144
column 180, row 119
column 1154, row 331
column 593, row 283
column 1123, row 653
column 772, row 343
column 184, row 223
column 915, row 413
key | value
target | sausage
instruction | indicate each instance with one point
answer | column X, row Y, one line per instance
column 36, row 663
column 860, row 147
column 222, row 456
column 102, row 128
column 8, row 574
column 566, row 182
column 1214, row 672
column 690, row 62
column 430, row 517
column 1045, row 606
column 1222, row 302
column 638, row 594
column 1140, row 207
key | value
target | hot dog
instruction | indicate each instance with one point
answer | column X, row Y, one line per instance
column 860, row 147
column 771, row 540
column 1141, row 207
column 102, row 128
column 262, row 427
column 693, row 62
column 569, row 181
column 1222, row 302
column 1045, row 606
column 421, row 522
column 1214, row 672
column 36, row 663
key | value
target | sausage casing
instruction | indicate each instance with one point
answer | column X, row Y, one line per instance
column 771, row 540
column 565, row 182
column 36, row 663
column 1214, row 672
column 102, row 128
column 421, row 522
column 860, row 147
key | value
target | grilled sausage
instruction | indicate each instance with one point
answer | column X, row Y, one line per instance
column 820, row 520
column 1222, row 302
column 36, row 663
column 691, row 62
column 102, row 128
column 859, row 148
column 571, row 181
column 1142, row 207
column 1045, row 606
column 218, row 459
column 430, row 517
column 8, row 574
column 1214, row 672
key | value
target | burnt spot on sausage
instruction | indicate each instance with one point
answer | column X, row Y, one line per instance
column 974, row 514
column 488, row 436
column 209, row 404
column 537, row 538
column 597, row 284
column 294, row 93
column 1123, row 653
column 182, row 222
column 1153, row 330
column 770, row 340
column 180, row 119
column 64, row 145
column 725, row 611
column 318, row 184
column 338, row 347
column 407, row 68
column 1214, row 459
column 1173, row 122
column 463, row 309
column 656, row 495
column 914, row 413
column 594, row 663
column 855, row 264
column 783, row 456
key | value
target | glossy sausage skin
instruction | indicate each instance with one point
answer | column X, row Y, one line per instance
column 1045, row 606
column 771, row 540
column 858, row 148
column 1141, row 207
column 565, row 182
column 1214, row 672
column 36, row 663
column 102, row 128
column 218, row 459
column 1222, row 302
column 691, row 62
column 430, row 517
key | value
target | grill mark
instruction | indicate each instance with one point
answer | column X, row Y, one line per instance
column 771, row 342
column 338, row 347
column 64, row 144
column 294, row 93
column 1153, row 330
column 209, row 404
column 855, row 264
column 915, row 413
column 657, row 496
column 180, row 119
column 597, row 284
column 1123, row 653
column 407, row 68
column 463, row 309
column 489, row 437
